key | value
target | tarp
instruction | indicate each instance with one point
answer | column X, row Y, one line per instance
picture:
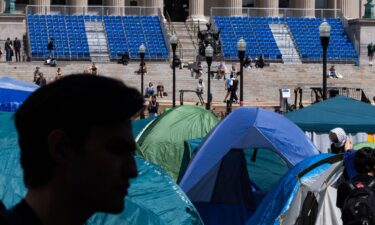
column 163, row 141
column 316, row 175
column 153, row 199
column 13, row 92
column 352, row 115
column 220, row 167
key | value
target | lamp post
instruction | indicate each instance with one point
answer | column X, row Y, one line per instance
column 325, row 32
column 173, row 42
column 209, row 52
column 241, row 48
column 142, row 50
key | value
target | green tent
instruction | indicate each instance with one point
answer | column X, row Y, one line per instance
column 153, row 198
column 364, row 144
column 352, row 115
column 163, row 141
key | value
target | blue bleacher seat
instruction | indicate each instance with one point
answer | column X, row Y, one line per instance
column 132, row 31
column 305, row 32
column 59, row 27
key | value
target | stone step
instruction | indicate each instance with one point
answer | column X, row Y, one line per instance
column 261, row 85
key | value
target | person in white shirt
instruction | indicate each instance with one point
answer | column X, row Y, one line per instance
column 200, row 86
column 221, row 70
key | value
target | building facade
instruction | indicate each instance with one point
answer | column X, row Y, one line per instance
column 181, row 10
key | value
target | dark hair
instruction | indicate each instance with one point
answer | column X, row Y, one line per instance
column 75, row 104
column 364, row 160
column 2, row 206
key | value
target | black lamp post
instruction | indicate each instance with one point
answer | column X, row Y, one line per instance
column 142, row 50
column 173, row 42
column 241, row 48
column 325, row 32
column 209, row 52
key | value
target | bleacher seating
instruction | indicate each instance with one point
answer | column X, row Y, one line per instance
column 127, row 33
column 305, row 32
column 254, row 30
column 67, row 31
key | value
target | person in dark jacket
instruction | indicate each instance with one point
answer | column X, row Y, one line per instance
column 17, row 49
column 76, row 150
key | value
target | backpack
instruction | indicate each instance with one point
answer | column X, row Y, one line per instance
column 359, row 205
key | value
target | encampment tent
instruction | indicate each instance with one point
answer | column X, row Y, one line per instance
column 13, row 92
column 153, row 198
column 305, row 195
column 163, row 141
column 217, row 180
column 355, row 117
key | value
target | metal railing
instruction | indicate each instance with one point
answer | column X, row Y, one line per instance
column 276, row 12
column 356, row 93
column 93, row 10
column 172, row 30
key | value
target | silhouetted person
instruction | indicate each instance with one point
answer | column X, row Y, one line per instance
column 77, row 155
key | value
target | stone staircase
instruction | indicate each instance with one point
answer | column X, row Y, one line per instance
column 97, row 42
column 285, row 44
column 261, row 86
column 188, row 52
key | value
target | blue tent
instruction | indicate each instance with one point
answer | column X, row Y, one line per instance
column 13, row 92
column 153, row 198
column 217, row 180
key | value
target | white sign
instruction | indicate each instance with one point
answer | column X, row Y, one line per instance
column 285, row 92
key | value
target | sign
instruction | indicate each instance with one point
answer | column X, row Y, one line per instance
column 285, row 92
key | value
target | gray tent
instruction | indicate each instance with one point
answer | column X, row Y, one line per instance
column 307, row 192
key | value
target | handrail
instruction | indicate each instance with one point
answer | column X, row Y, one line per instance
column 192, row 28
column 172, row 30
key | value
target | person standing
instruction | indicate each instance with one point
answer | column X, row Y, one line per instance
column 233, row 89
column 370, row 52
column 17, row 49
column 51, row 47
column 11, row 52
column 200, row 86
column 7, row 48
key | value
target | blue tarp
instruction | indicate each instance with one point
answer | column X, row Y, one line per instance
column 278, row 200
column 13, row 92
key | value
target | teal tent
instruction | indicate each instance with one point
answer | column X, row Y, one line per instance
column 352, row 115
column 153, row 199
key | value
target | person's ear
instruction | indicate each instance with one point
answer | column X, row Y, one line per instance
column 58, row 145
